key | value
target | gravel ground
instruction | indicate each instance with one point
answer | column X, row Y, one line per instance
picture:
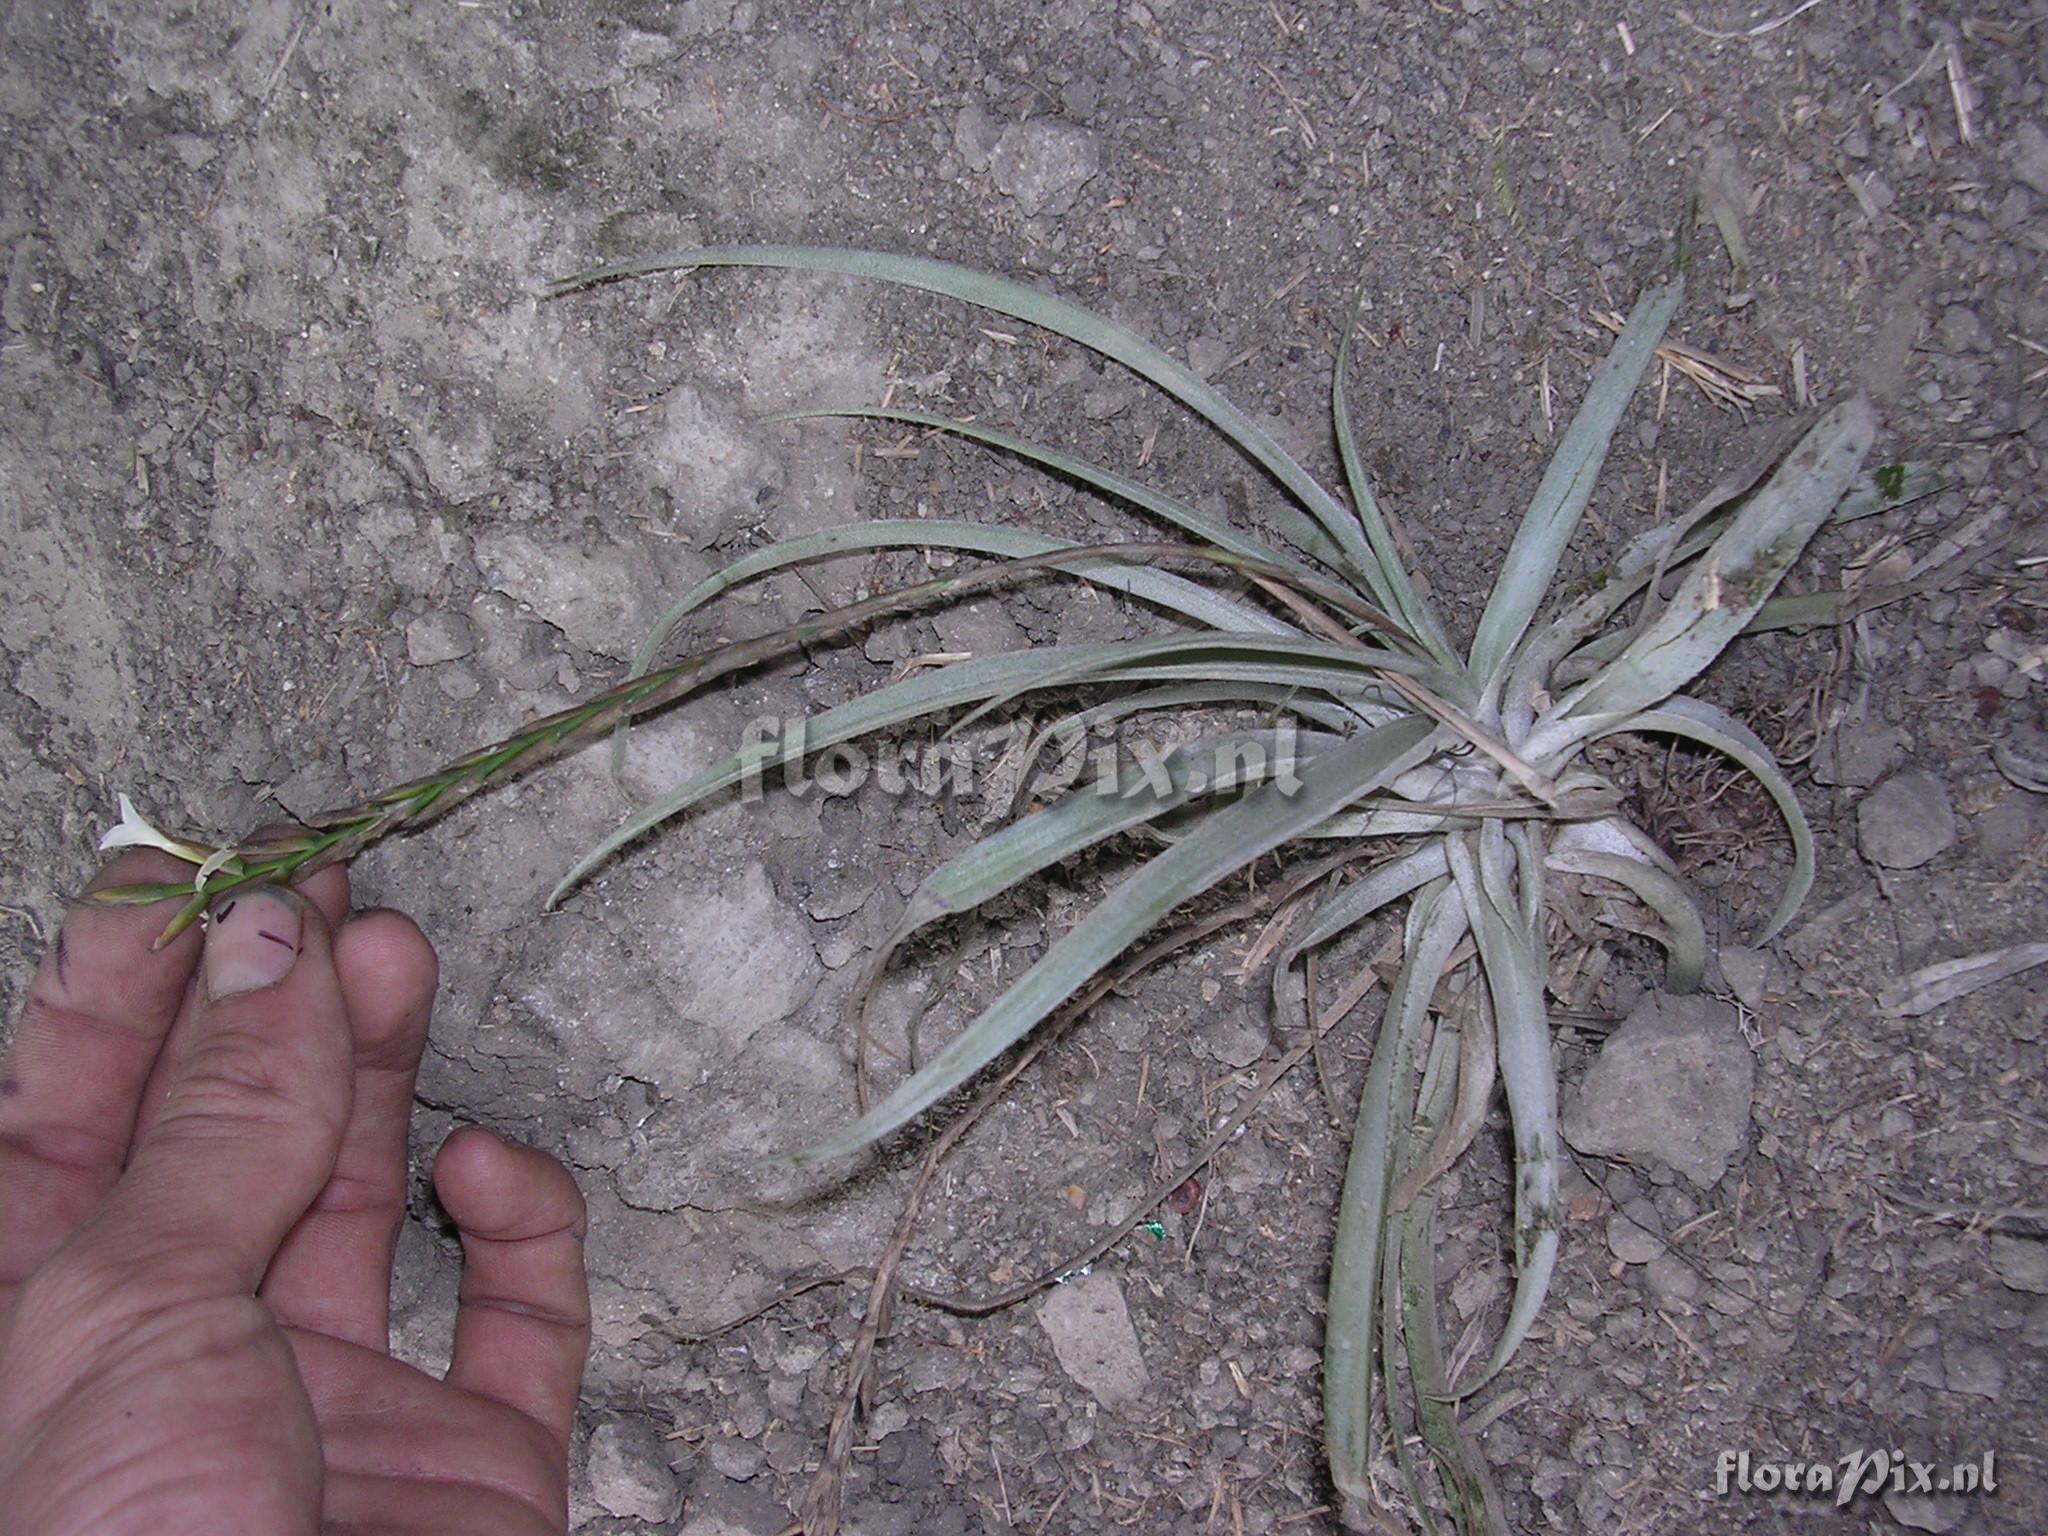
column 303, row 490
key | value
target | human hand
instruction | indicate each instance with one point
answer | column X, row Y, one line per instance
column 202, row 1174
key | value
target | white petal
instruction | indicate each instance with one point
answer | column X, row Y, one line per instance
column 134, row 831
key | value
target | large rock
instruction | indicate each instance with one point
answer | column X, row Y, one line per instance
column 1671, row 1086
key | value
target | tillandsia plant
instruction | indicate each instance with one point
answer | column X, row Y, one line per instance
column 1468, row 767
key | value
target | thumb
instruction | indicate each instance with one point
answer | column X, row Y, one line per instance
column 259, row 1091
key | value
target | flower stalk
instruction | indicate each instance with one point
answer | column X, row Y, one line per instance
column 331, row 837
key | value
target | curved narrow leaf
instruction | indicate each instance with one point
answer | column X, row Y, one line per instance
column 1725, row 589
column 1328, row 533
column 1696, row 720
column 1176, row 593
column 1436, row 922
column 1172, row 658
column 1170, row 509
column 1866, row 496
column 1662, row 548
column 1280, row 701
column 1468, row 1483
column 1510, row 956
column 1566, row 486
column 1357, row 824
column 1130, row 797
column 1667, row 897
column 1888, row 486
column 1226, row 841
column 1400, row 596
column 1354, row 903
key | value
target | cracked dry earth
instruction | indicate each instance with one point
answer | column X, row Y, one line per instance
column 303, row 491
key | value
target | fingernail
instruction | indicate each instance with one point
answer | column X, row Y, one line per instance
column 252, row 941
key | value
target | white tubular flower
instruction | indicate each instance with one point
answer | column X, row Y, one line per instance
column 134, row 831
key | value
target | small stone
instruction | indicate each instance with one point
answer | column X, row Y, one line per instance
column 1906, row 821
column 1895, row 1122
column 459, row 681
column 1924, row 1511
column 1093, row 1340
column 1672, row 1086
column 433, row 638
column 629, row 1474
column 1856, row 754
column 975, row 135
column 979, row 629
column 787, row 1450
column 1671, row 1279
column 1960, row 330
column 935, row 1368
column 2030, row 156
column 1044, row 164
column 1748, row 974
column 1977, row 1369
column 736, row 1459
column 1632, row 1233
column 1233, row 1042
column 597, row 594
column 2022, row 1263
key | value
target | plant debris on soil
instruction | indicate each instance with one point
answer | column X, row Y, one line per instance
column 303, row 490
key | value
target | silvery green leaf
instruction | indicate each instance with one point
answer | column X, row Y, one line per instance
column 1169, row 509
column 1662, row 894
column 1567, row 485
column 1329, row 532
column 1129, row 796
column 1512, row 960
column 1222, row 844
column 1888, row 486
column 1696, row 720
column 1267, row 661
column 1437, row 921
column 1723, row 591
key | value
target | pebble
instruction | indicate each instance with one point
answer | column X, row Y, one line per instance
column 736, row 1459
column 629, row 1473
column 1748, row 974
column 1977, row 1369
column 1233, row 1042
column 1857, row 754
column 787, row 1450
column 459, row 682
column 1092, row 1338
column 1672, row 1086
column 2034, row 1334
column 433, row 638
column 1906, row 821
column 2030, row 156
column 1633, row 1234
column 1671, row 1279
column 2022, row 1263
column 1045, row 163
column 935, row 1368
column 1925, row 1511
column 975, row 134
